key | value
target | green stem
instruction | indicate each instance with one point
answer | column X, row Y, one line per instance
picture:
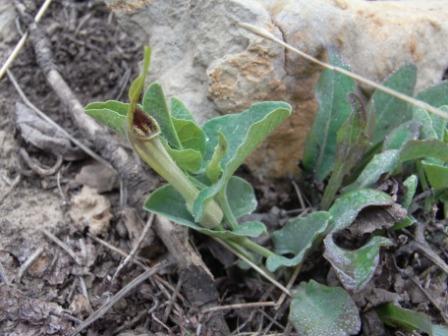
column 257, row 248
column 332, row 188
column 225, row 206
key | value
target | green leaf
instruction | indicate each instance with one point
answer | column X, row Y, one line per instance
column 241, row 197
column 154, row 104
column 297, row 237
column 137, row 84
column 108, row 117
column 436, row 96
column 410, row 185
column 408, row 320
column 391, row 112
column 354, row 268
column 318, row 310
column 180, row 111
column 347, row 207
column 331, row 93
column 114, row 105
column 437, row 174
column 421, row 149
column 189, row 134
column 427, row 128
column 243, row 132
column 382, row 163
column 167, row 202
column 404, row 223
column 352, row 143
column 400, row 135
column 214, row 169
column 187, row 159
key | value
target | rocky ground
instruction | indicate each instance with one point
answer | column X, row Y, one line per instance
column 65, row 233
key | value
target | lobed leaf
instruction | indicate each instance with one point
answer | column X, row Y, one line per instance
column 318, row 310
column 354, row 268
column 331, row 93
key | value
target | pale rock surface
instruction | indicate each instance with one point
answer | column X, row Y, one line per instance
column 200, row 56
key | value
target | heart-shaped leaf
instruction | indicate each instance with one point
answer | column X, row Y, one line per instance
column 390, row 111
column 347, row 207
column 297, row 237
column 318, row 310
column 243, row 132
column 354, row 268
column 331, row 93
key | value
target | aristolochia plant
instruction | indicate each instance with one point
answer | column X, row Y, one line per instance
column 352, row 144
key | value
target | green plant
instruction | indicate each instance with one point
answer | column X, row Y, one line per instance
column 351, row 144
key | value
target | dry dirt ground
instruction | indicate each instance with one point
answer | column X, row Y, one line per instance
column 61, row 242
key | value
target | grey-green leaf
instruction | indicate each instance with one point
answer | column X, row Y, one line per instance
column 318, row 310
column 167, row 202
column 111, row 113
column 187, row 159
column 189, row 134
column 410, row 185
column 400, row 135
column 154, row 104
column 421, row 149
column 382, row 163
column 241, row 197
column 391, row 111
column 243, row 132
column 179, row 110
column 347, row 207
column 297, row 237
column 354, row 268
column 334, row 108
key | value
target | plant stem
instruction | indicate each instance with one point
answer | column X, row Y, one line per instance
column 225, row 206
column 257, row 248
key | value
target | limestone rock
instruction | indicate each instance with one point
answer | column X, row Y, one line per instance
column 202, row 57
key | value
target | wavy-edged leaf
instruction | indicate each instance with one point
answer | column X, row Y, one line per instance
column 422, row 149
column 436, row 174
column 190, row 135
column 355, row 268
column 297, row 237
column 154, row 103
column 243, row 132
column 409, row 320
column 390, row 111
column 241, row 197
column 167, row 202
column 347, row 207
column 382, row 163
column 318, row 310
column 331, row 93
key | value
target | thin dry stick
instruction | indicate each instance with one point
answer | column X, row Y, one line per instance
column 28, row 263
column 264, row 33
column 11, row 188
column 121, row 294
column 61, row 244
column 172, row 301
column 431, row 255
column 289, row 285
column 22, row 41
column 240, row 306
column 25, row 99
column 135, row 249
